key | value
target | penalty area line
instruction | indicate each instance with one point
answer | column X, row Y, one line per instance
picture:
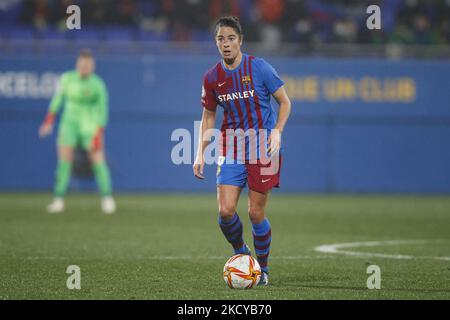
column 336, row 248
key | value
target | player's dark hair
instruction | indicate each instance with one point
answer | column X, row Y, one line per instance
column 228, row 21
column 85, row 53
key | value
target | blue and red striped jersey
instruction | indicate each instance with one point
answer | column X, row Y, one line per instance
column 244, row 93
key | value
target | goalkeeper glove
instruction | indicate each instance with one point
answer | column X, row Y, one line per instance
column 97, row 141
column 47, row 126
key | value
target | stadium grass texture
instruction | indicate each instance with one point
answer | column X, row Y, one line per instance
column 163, row 246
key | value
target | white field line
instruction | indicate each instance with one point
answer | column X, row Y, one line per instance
column 336, row 249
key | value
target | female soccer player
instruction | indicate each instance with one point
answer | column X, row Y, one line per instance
column 83, row 122
column 243, row 85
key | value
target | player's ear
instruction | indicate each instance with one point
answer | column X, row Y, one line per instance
column 241, row 38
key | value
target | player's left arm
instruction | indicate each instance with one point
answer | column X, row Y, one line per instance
column 275, row 86
column 283, row 114
column 102, row 116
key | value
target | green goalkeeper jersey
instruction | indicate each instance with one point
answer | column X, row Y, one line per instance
column 85, row 101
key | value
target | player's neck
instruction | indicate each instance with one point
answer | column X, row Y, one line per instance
column 84, row 76
column 232, row 64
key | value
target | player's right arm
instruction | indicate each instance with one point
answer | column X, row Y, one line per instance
column 208, row 122
column 209, row 104
column 55, row 105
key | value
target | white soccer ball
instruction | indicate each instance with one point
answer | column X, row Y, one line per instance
column 241, row 272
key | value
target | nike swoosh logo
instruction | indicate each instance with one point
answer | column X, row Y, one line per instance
column 221, row 84
column 264, row 181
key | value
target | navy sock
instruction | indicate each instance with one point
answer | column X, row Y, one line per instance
column 233, row 230
column 262, row 236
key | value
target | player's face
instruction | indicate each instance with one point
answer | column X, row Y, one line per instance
column 85, row 66
column 228, row 42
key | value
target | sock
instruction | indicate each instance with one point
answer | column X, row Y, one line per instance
column 63, row 171
column 103, row 178
column 232, row 230
column 262, row 236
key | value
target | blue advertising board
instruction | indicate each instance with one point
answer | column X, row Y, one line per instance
column 357, row 125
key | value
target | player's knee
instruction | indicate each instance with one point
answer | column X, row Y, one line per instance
column 256, row 214
column 97, row 157
column 66, row 158
column 227, row 212
column 65, row 154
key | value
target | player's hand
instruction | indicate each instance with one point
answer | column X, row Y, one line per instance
column 274, row 142
column 97, row 141
column 47, row 126
column 45, row 130
column 198, row 169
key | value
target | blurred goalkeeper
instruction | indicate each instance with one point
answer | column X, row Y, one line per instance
column 83, row 122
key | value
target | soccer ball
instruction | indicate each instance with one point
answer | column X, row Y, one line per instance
column 241, row 272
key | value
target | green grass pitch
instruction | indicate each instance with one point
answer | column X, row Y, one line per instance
column 170, row 247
